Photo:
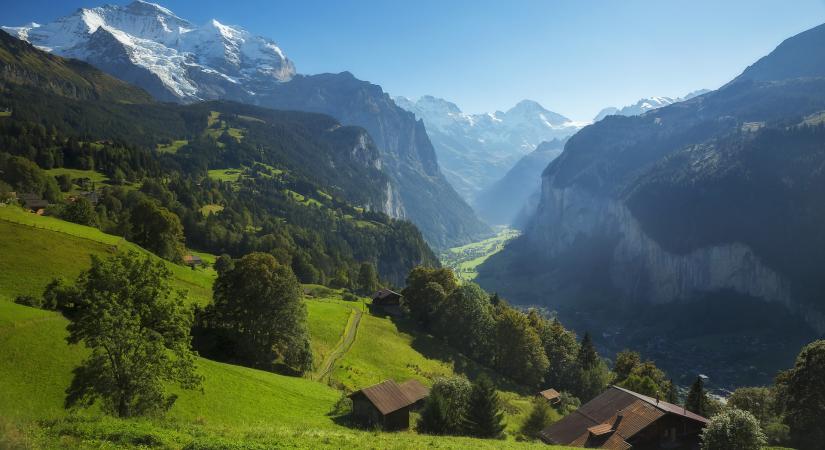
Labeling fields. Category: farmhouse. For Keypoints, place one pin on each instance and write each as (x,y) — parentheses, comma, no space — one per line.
(387,404)
(33,202)
(192,260)
(621,419)
(551,395)
(387,301)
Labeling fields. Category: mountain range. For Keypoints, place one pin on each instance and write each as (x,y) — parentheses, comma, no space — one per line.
(696,226)
(644,105)
(148,45)
(475,150)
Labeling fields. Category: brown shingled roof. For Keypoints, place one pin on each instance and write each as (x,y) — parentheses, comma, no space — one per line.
(386,396)
(414,390)
(600,429)
(618,409)
(549,394)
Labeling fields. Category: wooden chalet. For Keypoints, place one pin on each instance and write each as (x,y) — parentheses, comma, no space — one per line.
(386,301)
(620,419)
(192,260)
(33,202)
(387,404)
(551,395)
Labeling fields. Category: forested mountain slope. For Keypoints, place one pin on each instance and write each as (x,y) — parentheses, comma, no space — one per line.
(298,184)
(175,60)
(718,196)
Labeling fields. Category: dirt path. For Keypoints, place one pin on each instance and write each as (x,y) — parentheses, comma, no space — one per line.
(343,346)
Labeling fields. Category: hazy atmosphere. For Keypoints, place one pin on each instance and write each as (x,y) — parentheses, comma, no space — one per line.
(405,225)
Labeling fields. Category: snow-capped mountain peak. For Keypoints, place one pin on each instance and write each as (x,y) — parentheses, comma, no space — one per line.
(646,104)
(186,61)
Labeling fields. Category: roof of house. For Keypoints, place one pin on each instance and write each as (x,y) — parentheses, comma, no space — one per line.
(386,396)
(192,259)
(414,390)
(618,412)
(549,394)
(381,294)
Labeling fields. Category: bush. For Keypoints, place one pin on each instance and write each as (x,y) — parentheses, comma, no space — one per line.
(733,429)
(349,296)
(538,419)
(28,300)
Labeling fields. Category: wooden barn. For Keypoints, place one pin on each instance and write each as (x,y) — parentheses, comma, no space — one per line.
(387,404)
(551,396)
(192,260)
(386,301)
(620,419)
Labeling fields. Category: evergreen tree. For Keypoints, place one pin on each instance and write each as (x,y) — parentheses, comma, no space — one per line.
(538,419)
(587,357)
(434,417)
(367,279)
(484,417)
(697,400)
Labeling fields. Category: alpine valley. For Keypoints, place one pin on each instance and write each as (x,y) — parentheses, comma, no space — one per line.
(203,248)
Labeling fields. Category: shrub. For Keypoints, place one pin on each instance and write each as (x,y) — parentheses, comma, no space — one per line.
(733,429)
(28,300)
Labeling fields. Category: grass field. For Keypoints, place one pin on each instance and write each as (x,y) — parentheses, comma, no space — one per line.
(211,209)
(92,175)
(173,147)
(237,407)
(231,175)
(464,260)
(35,249)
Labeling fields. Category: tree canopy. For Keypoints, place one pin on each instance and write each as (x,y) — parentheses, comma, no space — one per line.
(137,330)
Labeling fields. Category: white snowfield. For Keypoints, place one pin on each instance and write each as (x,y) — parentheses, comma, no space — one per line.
(154,38)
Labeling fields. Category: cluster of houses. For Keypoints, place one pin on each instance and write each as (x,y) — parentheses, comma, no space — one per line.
(618,419)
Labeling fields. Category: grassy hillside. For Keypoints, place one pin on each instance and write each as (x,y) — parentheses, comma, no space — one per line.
(37,249)
(464,260)
(236,404)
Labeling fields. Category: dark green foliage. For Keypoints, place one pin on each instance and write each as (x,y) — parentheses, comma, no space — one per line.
(455,394)
(224,263)
(539,418)
(484,417)
(257,308)
(65,182)
(671,396)
(801,392)
(367,279)
(25,176)
(519,351)
(587,357)
(626,360)
(567,403)
(435,417)
(643,377)
(733,429)
(137,330)
(465,321)
(697,399)
(422,298)
(561,348)
(156,229)
(29,300)
(79,211)
(759,401)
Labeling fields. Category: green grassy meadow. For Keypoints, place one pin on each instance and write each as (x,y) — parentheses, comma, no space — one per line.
(172,147)
(237,407)
(464,260)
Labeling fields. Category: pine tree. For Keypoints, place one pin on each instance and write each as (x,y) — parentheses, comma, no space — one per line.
(697,400)
(434,418)
(538,419)
(587,357)
(484,417)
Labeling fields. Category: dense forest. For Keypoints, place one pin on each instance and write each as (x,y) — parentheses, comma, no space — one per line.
(218,177)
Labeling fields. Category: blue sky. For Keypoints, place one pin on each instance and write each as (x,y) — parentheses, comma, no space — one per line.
(573,56)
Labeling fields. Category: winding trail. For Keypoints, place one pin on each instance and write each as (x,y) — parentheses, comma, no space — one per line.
(343,346)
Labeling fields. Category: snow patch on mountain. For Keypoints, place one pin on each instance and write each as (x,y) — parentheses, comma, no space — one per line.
(475,150)
(191,62)
(644,105)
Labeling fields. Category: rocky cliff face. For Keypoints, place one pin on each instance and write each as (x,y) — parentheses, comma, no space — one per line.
(640,268)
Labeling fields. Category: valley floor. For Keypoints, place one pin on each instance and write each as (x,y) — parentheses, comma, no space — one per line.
(464,260)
